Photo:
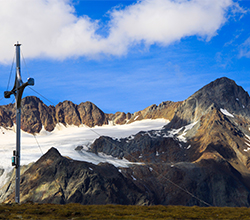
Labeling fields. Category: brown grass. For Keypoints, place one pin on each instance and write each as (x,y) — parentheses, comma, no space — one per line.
(77,211)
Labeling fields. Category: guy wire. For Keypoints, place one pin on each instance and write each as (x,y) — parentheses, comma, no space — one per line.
(11,71)
(24,63)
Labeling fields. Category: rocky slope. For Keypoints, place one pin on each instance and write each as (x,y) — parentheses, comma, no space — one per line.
(57,179)
(200,158)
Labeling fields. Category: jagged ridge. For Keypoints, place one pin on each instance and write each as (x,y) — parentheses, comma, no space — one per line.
(35,114)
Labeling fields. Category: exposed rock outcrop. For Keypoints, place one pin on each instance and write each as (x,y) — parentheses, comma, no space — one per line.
(56,179)
(36,115)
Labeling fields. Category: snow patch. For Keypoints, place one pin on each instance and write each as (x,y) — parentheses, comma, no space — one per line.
(131,137)
(4,178)
(247,149)
(247,137)
(225,112)
(67,138)
(133,177)
(136,117)
(157,133)
(43,132)
(181,137)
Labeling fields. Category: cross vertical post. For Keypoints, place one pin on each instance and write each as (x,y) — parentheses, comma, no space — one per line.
(18,122)
(18,91)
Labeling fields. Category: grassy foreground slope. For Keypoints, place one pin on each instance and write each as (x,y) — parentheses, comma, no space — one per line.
(77,211)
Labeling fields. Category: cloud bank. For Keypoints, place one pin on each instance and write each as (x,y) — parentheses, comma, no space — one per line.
(51,29)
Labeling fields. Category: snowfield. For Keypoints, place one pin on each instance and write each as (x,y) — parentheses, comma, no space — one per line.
(66,139)
(225,112)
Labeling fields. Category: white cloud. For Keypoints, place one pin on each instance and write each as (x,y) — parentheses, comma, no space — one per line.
(49,28)
(245,49)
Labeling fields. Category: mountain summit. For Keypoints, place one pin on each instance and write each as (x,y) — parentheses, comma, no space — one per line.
(223,93)
(226,94)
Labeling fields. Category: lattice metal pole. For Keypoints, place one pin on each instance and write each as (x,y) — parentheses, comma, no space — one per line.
(18,91)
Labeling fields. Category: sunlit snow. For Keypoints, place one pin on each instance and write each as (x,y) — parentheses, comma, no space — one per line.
(133,177)
(247,149)
(181,137)
(225,112)
(66,139)
(247,138)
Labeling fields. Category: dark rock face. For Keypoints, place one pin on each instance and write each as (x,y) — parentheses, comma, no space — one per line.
(56,179)
(222,93)
(31,120)
(66,113)
(5,116)
(91,115)
(35,114)
(143,147)
(211,182)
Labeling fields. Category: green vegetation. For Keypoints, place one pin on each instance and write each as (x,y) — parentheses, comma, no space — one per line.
(77,211)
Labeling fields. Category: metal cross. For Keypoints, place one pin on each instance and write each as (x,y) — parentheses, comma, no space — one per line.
(17,90)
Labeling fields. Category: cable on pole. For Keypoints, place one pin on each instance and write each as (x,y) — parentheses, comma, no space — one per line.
(41,95)
(25,63)
(11,72)
(38,144)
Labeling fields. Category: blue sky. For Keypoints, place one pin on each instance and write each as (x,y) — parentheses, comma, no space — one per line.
(124,55)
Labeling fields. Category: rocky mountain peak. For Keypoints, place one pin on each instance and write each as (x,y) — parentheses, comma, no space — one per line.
(31,100)
(224,93)
(52,153)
